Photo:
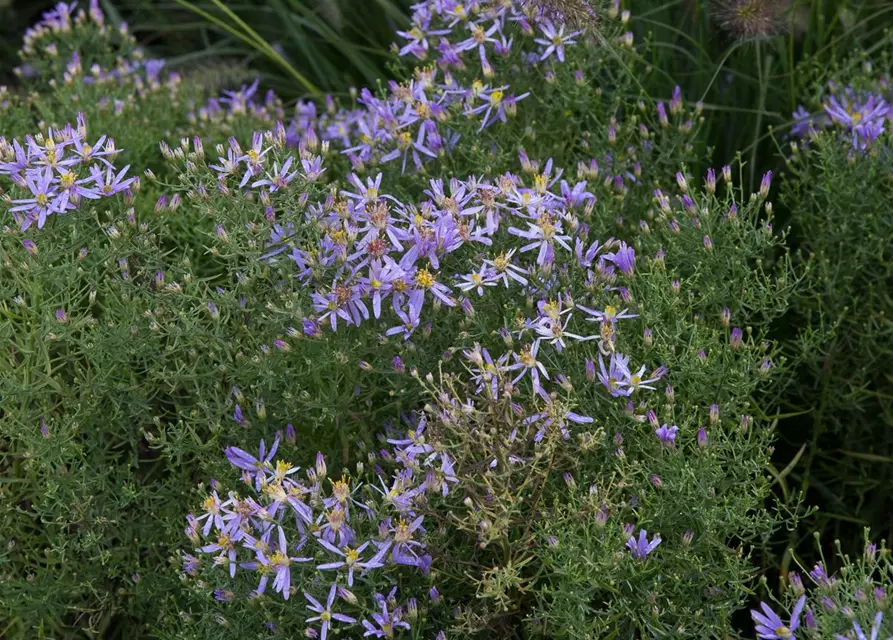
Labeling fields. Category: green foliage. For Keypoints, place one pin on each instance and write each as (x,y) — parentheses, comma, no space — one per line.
(478,415)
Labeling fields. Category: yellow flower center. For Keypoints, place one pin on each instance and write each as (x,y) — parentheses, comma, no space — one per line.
(526,358)
(341,489)
(68,179)
(253,156)
(351,556)
(424,279)
(402,532)
(496,97)
(282,469)
(41,199)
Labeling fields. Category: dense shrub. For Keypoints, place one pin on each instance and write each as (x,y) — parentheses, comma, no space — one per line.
(507,364)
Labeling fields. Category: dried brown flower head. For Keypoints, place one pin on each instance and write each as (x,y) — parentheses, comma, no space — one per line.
(752,19)
(577,14)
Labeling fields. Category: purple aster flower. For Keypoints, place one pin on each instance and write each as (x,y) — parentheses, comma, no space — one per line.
(351,560)
(770,627)
(279,178)
(624,258)
(610,314)
(666,435)
(43,203)
(555,40)
(477,280)
(110,183)
(253,158)
(325,615)
(504,269)
(860,635)
(406,550)
(543,236)
(865,120)
(616,376)
(384,623)
(256,467)
(641,547)
(410,322)
(820,576)
(526,361)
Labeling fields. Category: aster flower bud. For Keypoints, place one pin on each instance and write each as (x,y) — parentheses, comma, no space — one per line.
(44,429)
(725,316)
(569,481)
(670,394)
(676,286)
(434,595)
(708,243)
(290,436)
(727,174)
(320,466)
(662,115)
(652,418)
(657,482)
(710,181)
(796,583)
(260,409)
(870,552)
(30,246)
(648,336)
(735,338)
(681,181)
(687,537)
(765,184)
(714,414)
(61,316)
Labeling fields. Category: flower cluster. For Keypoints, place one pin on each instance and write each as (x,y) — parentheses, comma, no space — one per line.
(412,124)
(59,171)
(292,527)
(863,117)
(379,253)
(850,607)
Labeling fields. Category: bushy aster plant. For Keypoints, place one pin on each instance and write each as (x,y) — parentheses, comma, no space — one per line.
(837,189)
(849,604)
(472,354)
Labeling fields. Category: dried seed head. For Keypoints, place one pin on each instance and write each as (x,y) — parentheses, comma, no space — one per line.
(751,19)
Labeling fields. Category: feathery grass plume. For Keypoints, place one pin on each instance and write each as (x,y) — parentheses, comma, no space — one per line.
(751,19)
